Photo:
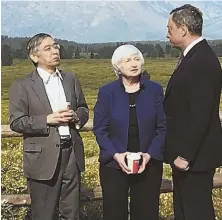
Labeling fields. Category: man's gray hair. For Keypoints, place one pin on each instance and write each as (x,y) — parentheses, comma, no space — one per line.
(190,16)
(124,51)
(34,42)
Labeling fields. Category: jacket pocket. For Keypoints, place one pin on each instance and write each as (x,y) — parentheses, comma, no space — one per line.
(33,148)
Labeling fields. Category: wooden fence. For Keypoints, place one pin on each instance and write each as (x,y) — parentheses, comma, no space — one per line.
(86,194)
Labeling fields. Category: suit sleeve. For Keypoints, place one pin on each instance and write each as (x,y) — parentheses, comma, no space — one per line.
(82,107)
(158,143)
(20,120)
(201,98)
(101,126)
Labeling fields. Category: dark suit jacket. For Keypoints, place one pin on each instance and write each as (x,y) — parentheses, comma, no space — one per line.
(111,120)
(29,106)
(192,108)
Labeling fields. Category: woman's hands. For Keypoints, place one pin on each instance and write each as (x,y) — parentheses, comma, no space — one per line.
(145,158)
(120,159)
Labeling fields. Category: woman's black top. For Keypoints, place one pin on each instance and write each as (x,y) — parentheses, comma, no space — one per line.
(133,132)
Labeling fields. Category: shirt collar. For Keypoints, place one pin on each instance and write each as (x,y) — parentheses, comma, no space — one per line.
(192,45)
(46,75)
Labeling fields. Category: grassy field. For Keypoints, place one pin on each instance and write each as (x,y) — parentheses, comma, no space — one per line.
(92,74)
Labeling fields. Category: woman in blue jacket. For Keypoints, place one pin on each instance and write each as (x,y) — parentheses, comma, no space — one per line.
(129,117)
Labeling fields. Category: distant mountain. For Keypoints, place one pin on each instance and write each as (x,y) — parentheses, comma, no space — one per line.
(102,21)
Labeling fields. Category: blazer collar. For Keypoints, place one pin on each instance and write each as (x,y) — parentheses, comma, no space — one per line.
(36,74)
(190,53)
(39,88)
(46,75)
(142,82)
(67,86)
(200,44)
(191,45)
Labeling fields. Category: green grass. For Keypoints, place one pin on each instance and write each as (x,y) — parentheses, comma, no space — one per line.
(92,75)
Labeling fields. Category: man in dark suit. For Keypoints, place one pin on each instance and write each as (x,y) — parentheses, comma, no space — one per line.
(193,138)
(53,149)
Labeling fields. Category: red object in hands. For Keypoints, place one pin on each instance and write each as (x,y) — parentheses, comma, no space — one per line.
(133,162)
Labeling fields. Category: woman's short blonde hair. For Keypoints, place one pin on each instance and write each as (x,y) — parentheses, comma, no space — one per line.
(124,51)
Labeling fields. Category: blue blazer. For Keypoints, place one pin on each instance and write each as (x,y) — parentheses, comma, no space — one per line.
(111,120)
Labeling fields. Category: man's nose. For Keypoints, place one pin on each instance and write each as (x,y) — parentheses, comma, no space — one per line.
(55,51)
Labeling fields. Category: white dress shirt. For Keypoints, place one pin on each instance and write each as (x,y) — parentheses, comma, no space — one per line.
(190,46)
(56,95)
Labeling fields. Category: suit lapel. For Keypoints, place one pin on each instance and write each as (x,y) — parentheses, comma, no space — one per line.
(40,91)
(66,87)
(168,88)
(183,62)
(175,72)
(169,85)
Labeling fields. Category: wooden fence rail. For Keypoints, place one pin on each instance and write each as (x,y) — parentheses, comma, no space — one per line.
(96,193)
(86,194)
(8,133)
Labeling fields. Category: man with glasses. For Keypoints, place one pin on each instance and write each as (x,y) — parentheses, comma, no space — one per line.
(53,149)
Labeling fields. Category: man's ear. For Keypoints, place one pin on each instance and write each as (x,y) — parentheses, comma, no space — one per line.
(184,30)
(34,58)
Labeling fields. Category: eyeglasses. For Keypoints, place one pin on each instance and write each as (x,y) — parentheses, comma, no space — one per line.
(48,48)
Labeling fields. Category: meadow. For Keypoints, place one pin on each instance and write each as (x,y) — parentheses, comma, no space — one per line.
(92,75)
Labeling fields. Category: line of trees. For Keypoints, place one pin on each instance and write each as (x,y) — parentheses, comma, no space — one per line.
(70,50)
(6,56)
